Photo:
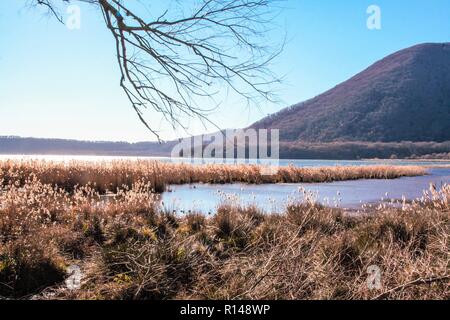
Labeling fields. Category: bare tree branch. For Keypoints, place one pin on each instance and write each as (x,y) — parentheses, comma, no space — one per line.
(174,65)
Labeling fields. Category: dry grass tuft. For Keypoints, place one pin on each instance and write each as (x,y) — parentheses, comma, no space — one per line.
(129,248)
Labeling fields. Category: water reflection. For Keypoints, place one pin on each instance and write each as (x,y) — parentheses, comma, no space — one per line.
(274,197)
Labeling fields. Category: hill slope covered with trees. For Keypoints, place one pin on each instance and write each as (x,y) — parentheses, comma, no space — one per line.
(403,97)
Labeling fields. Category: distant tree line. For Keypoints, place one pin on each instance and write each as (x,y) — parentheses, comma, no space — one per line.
(365,150)
(294,150)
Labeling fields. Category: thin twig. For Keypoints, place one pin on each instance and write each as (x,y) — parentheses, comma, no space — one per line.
(412,283)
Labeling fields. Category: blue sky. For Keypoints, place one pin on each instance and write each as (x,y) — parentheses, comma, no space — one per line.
(56,82)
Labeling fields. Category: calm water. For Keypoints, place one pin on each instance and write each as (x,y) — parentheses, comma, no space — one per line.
(274,197)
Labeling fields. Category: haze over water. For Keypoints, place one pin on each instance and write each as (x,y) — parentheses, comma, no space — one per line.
(282,162)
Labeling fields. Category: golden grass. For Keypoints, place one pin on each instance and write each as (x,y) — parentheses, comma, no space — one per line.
(129,248)
(110,176)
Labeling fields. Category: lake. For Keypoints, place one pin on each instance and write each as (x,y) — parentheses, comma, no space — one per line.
(274,197)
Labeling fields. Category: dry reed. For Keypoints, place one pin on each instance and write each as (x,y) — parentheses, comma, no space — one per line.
(129,248)
(110,176)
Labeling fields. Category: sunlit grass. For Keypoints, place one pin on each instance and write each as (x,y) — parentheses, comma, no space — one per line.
(128,247)
(114,175)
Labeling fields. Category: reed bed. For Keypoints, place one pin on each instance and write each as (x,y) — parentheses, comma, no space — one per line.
(131,248)
(114,175)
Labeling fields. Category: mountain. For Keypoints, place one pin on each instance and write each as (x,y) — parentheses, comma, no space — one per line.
(403,97)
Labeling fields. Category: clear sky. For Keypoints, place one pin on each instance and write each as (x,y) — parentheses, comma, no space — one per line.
(61,83)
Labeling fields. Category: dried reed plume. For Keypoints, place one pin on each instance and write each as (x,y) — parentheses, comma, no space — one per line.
(110,176)
(130,248)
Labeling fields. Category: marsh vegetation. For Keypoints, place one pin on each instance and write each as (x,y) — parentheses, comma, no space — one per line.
(132,248)
(110,176)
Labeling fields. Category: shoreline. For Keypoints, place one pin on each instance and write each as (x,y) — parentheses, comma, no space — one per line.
(115,175)
(156,156)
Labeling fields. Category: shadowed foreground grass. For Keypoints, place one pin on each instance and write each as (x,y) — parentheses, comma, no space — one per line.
(110,176)
(129,248)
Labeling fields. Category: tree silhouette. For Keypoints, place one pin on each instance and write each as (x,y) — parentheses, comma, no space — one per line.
(187,55)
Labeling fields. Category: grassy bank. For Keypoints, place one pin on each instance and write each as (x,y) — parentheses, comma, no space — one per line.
(129,248)
(104,176)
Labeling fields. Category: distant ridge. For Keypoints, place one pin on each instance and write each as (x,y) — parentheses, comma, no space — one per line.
(403,97)
(288,150)
(39,146)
